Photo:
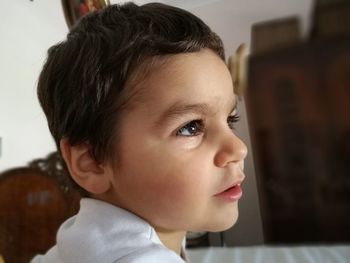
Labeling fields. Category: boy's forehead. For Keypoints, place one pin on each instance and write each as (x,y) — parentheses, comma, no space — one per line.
(179,77)
(137,85)
(181,82)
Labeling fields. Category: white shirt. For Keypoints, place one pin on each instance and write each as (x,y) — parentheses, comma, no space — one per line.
(104,233)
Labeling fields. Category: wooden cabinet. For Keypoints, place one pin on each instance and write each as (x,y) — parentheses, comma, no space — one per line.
(298,106)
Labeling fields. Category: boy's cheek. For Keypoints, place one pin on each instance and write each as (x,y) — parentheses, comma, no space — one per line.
(170,174)
(174,202)
(182,186)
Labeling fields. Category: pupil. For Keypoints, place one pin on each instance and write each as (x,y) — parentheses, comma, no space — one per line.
(193,127)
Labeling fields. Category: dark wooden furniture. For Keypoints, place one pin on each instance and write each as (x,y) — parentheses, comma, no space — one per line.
(34,201)
(298,104)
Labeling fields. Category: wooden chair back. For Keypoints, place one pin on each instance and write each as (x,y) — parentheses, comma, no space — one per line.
(34,202)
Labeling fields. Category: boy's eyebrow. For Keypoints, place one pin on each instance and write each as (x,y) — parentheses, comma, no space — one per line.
(180,108)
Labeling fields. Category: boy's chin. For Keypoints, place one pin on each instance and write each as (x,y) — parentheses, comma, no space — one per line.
(221,224)
(225,225)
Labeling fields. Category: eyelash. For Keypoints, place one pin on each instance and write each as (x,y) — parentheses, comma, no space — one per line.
(232,119)
(197,127)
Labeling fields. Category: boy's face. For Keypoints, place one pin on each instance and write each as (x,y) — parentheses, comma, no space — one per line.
(177,151)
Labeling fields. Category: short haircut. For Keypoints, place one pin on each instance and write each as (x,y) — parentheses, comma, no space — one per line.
(82,86)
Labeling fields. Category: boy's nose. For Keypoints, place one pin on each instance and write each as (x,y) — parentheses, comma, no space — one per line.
(232,150)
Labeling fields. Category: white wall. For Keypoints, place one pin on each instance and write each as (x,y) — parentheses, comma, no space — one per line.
(27,29)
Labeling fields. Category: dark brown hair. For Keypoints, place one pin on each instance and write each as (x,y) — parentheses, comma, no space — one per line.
(82,85)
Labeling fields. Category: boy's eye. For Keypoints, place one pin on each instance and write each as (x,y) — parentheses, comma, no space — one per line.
(231,120)
(192,128)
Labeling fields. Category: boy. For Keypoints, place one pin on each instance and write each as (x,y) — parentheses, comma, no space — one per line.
(141,105)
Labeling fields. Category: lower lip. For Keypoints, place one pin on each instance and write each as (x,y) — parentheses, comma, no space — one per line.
(231,195)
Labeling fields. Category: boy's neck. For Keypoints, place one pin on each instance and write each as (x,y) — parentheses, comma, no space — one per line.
(171,239)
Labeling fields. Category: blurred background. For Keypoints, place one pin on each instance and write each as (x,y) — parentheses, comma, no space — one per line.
(29,28)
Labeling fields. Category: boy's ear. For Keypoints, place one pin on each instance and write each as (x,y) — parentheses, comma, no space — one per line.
(84,169)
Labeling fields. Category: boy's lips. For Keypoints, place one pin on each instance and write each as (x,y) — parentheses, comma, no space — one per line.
(231,193)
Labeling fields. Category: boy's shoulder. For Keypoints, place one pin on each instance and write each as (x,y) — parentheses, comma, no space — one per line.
(104,233)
